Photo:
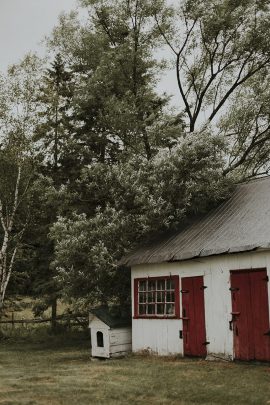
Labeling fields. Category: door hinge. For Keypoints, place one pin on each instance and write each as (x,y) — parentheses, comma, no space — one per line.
(267,333)
(234,289)
(180,334)
(203,287)
(184,291)
(206,343)
(266,279)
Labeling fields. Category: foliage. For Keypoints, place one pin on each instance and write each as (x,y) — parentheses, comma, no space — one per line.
(17,118)
(246,126)
(15,181)
(127,203)
(112,164)
(223,44)
(119,111)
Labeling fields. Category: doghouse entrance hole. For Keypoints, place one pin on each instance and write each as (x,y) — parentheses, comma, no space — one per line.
(100,341)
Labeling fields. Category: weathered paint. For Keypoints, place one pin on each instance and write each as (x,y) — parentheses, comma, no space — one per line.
(193,316)
(117,341)
(161,336)
(250,315)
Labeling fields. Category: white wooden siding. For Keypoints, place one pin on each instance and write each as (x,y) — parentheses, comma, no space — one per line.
(120,341)
(96,325)
(162,335)
(116,341)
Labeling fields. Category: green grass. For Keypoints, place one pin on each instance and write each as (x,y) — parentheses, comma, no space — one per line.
(58,370)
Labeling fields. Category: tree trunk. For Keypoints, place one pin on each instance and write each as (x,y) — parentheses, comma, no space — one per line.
(54,314)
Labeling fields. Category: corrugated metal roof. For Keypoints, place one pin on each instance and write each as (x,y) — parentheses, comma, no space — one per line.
(240,224)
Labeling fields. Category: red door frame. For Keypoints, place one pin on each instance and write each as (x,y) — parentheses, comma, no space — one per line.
(250,314)
(193,316)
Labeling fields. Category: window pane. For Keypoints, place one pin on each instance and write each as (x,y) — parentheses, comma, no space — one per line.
(151,309)
(142,285)
(160,309)
(170,297)
(142,297)
(151,285)
(170,284)
(160,296)
(169,309)
(161,284)
(151,297)
(142,309)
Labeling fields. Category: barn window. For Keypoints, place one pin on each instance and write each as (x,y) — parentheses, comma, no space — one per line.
(156,297)
(100,342)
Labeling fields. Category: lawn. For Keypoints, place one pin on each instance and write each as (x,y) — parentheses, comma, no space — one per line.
(60,372)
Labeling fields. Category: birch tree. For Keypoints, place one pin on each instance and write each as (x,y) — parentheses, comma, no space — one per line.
(18,109)
(14,198)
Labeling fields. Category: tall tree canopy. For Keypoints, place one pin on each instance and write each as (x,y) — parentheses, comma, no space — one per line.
(113,162)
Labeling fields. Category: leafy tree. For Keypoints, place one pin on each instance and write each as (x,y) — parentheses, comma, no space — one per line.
(119,112)
(246,126)
(218,47)
(18,91)
(129,202)
(15,181)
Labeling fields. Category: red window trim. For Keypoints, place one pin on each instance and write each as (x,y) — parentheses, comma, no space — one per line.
(176,292)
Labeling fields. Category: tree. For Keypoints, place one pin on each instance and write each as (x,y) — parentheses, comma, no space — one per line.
(246,126)
(116,106)
(17,121)
(55,128)
(130,202)
(223,45)
(15,181)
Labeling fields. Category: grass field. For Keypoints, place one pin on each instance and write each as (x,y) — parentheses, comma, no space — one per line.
(56,371)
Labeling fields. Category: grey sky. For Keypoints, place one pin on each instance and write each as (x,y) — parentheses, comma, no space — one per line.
(24,23)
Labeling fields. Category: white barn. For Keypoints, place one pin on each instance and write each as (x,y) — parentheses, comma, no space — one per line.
(204,291)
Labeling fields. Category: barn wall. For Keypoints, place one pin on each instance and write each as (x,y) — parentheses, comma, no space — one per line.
(162,335)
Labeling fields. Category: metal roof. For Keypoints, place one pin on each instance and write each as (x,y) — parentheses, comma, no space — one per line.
(240,224)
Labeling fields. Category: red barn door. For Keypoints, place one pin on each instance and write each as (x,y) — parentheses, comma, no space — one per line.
(194,334)
(250,315)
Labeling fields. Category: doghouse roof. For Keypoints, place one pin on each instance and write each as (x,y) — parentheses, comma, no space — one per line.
(240,224)
(110,318)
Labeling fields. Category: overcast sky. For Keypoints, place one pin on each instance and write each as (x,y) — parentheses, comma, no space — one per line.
(24,23)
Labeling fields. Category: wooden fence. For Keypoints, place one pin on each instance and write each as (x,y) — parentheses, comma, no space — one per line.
(77,319)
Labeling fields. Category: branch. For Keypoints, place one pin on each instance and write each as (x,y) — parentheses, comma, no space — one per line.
(256,141)
(162,33)
(236,84)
